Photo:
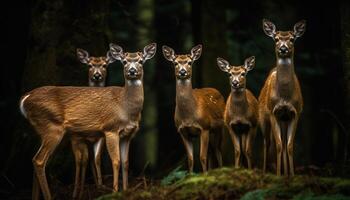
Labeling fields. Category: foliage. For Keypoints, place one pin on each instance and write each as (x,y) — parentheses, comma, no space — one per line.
(174,176)
(228,183)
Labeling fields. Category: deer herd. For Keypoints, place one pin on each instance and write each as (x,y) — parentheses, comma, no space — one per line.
(98,116)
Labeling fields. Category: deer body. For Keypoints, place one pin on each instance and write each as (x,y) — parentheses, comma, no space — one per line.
(68,107)
(198,112)
(88,111)
(241,112)
(194,107)
(280,100)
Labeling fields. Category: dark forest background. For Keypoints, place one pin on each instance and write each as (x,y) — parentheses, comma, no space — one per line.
(39,49)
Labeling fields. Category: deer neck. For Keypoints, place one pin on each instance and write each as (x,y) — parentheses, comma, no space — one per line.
(133,96)
(98,84)
(239,101)
(285,76)
(185,101)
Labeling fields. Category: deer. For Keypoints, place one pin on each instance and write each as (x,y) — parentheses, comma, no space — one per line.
(241,111)
(89,112)
(280,99)
(198,112)
(97,78)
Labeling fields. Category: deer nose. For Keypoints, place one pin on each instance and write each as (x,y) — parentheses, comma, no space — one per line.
(235,83)
(183,72)
(132,71)
(97,76)
(283,49)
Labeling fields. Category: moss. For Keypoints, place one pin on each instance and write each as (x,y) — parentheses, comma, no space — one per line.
(228,183)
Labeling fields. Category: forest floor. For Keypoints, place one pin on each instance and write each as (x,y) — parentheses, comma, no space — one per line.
(222,183)
(230,183)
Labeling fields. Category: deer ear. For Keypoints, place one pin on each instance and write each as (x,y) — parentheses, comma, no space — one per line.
(196,52)
(83,56)
(149,51)
(299,28)
(109,57)
(223,65)
(116,51)
(168,53)
(269,28)
(249,63)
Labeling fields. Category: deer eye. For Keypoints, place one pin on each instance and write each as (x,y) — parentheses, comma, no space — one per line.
(124,62)
(189,62)
(277,39)
(243,74)
(140,62)
(291,39)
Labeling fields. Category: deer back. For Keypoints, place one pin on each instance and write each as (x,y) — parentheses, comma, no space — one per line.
(78,109)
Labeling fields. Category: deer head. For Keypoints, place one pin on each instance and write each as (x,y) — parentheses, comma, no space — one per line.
(182,63)
(97,65)
(133,62)
(237,73)
(284,40)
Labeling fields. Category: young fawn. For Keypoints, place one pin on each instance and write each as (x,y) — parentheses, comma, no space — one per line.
(280,100)
(241,113)
(89,112)
(198,112)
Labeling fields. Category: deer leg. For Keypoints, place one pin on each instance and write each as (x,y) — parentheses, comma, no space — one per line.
(80,151)
(78,158)
(189,150)
(266,132)
(203,155)
(112,143)
(237,147)
(36,189)
(249,146)
(85,158)
(124,150)
(290,142)
(98,149)
(49,142)
(276,130)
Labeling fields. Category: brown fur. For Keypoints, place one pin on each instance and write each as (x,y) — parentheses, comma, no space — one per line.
(198,112)
(280,100)
(241,112)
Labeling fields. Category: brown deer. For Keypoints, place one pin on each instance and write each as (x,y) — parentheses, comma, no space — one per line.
(97,67)
(97,78)
(89,112)
(280,100)
(241,113)
(198,112)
